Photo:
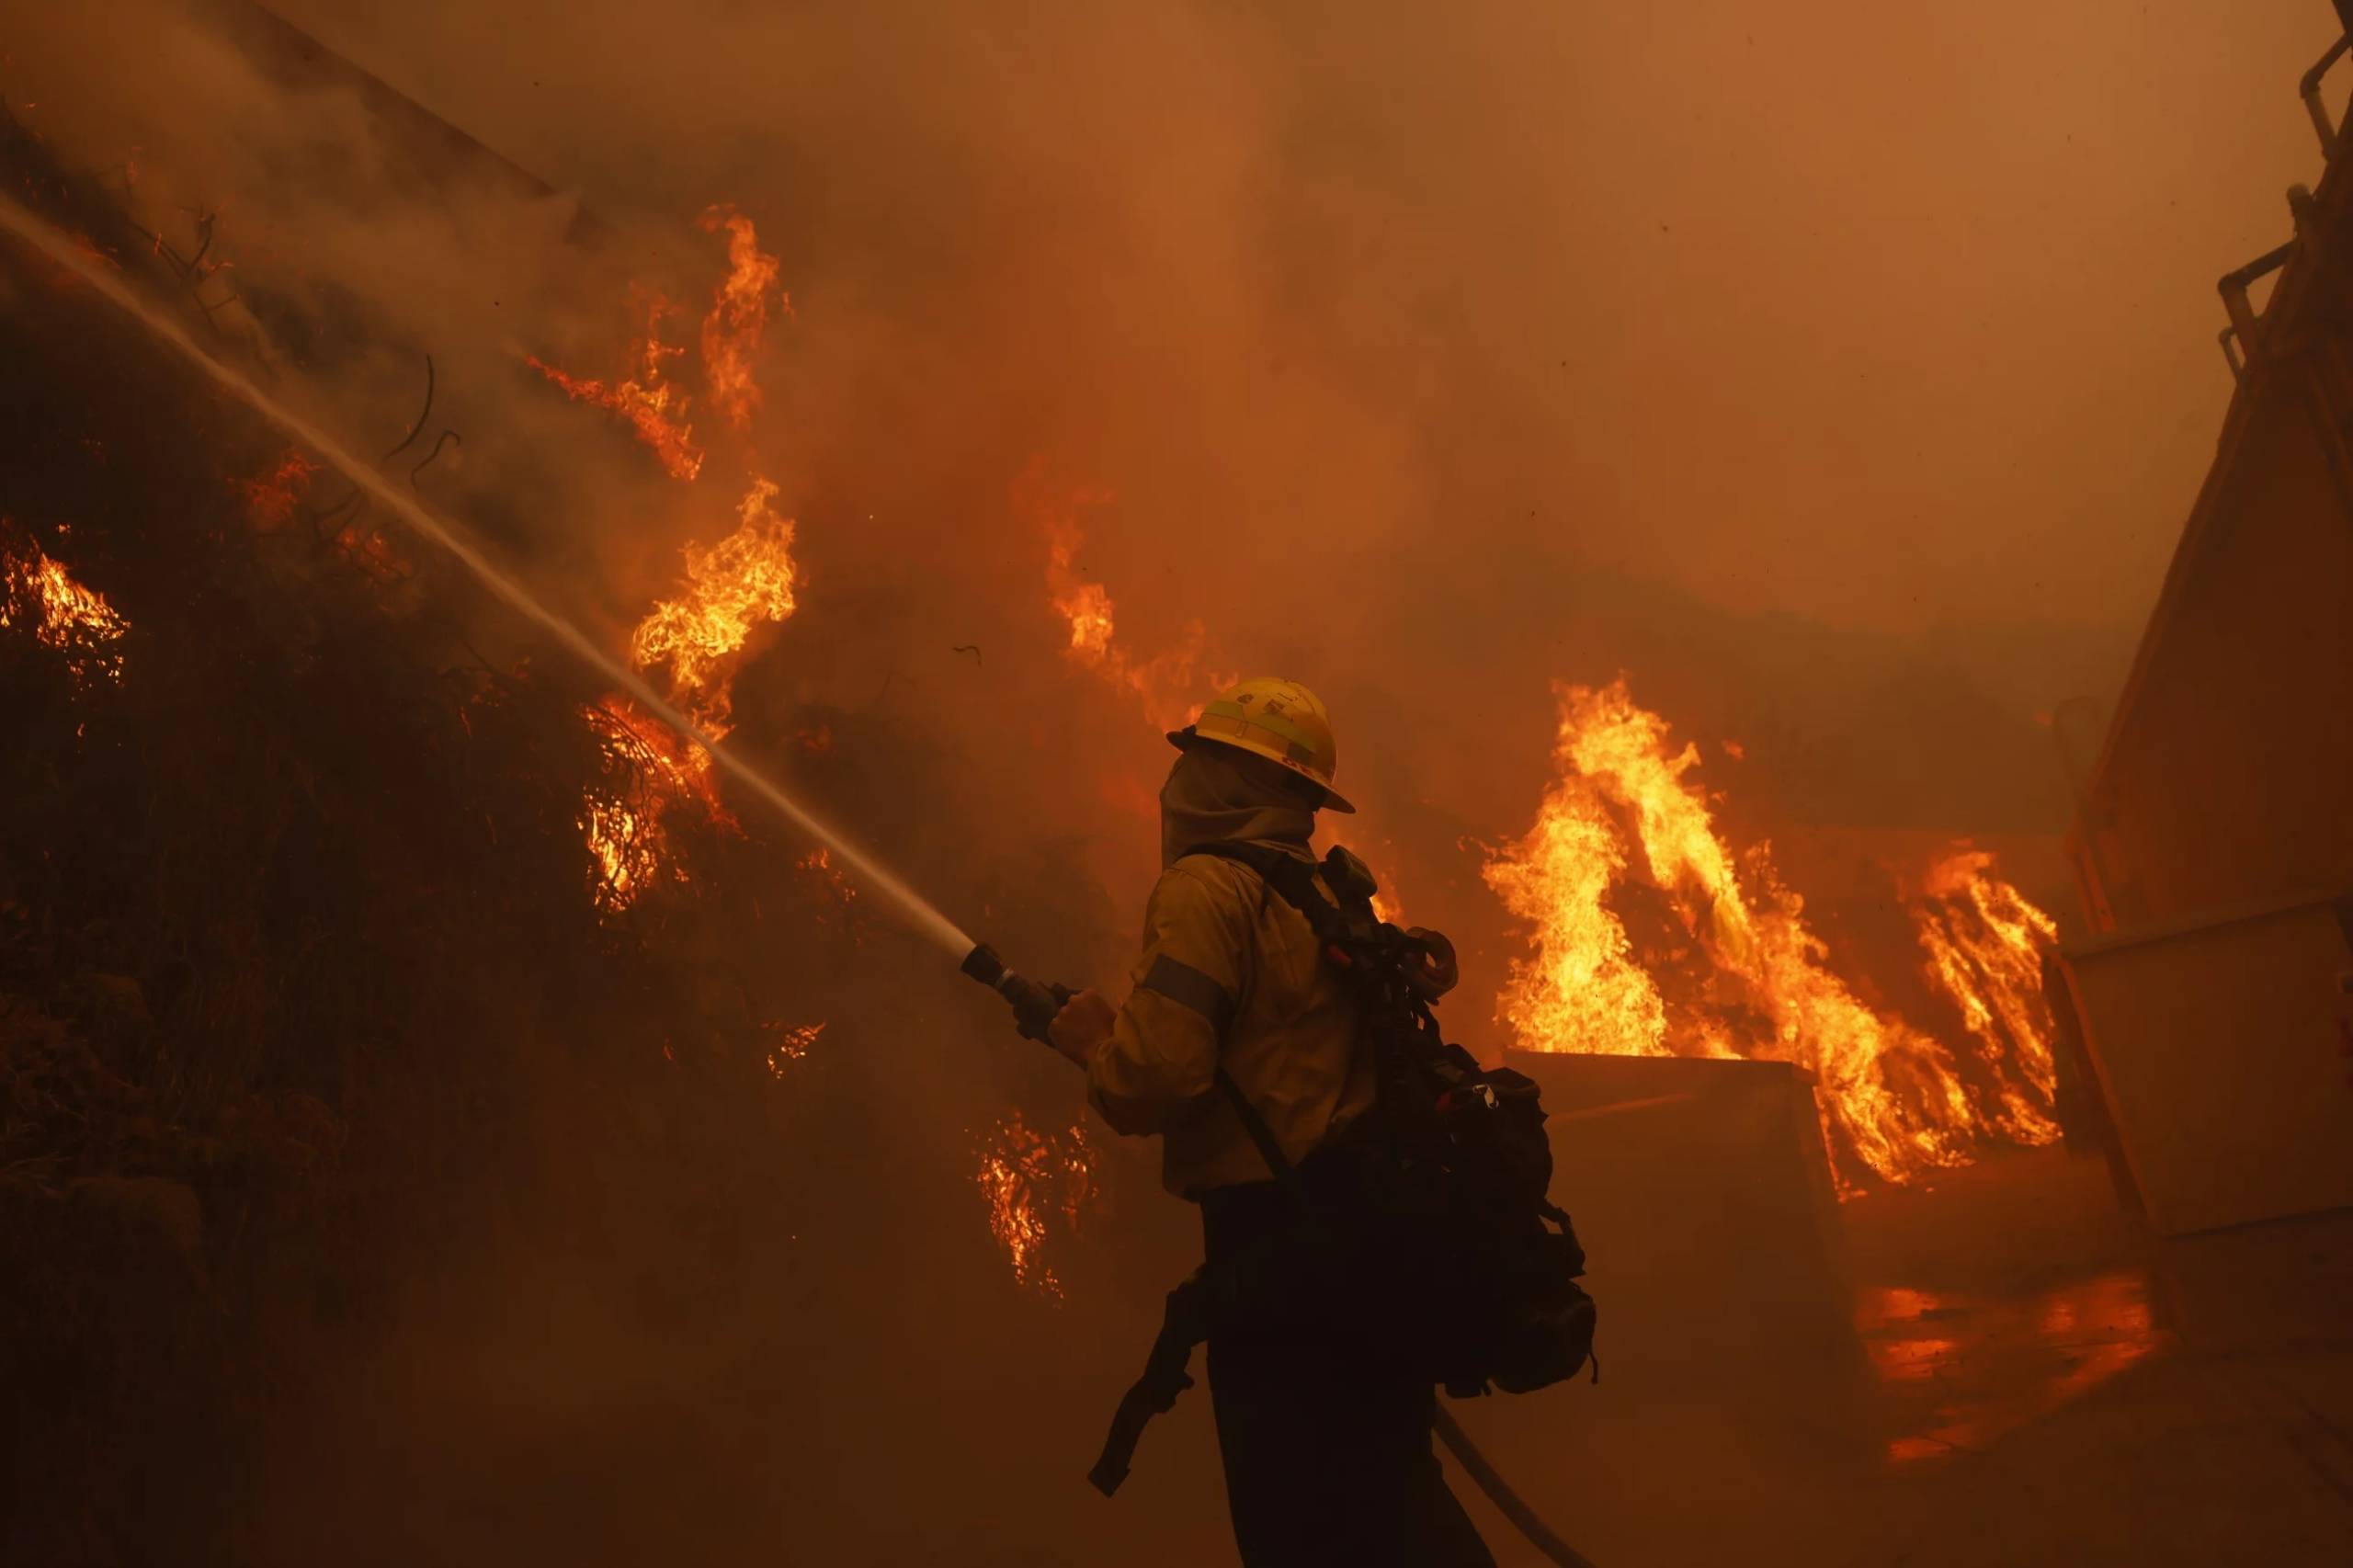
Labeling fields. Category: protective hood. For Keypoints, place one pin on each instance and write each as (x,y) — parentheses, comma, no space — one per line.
(1209,800)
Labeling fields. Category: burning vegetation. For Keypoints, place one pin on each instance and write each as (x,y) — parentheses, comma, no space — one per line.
(40,594)
(1652,938)
(642,395)
(1026,1176)
(742,582)
(698,636)
(309,970)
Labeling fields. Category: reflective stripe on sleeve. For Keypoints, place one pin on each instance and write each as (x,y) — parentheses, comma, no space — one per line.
(1188,987)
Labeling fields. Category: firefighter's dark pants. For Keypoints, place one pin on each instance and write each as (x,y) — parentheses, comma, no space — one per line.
(1326,1439)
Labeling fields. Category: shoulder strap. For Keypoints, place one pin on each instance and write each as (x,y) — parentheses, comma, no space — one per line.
(1284,874)
(1260,1134)
(1291,877)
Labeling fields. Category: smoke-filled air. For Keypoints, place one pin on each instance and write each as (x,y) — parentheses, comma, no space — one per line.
(560,564)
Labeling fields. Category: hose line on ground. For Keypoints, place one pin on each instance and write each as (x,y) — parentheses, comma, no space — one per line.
(1499,1492)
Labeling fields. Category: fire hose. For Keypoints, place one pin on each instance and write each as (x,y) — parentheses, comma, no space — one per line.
(1034,1005)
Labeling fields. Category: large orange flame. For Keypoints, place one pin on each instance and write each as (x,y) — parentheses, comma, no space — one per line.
(739,315)
(642,396)
(1026,1175)
(1741,972)
(745,579)
(38,591)
(732,587)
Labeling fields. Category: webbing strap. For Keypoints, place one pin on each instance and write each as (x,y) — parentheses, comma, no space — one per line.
(1269,1149)
(1295,880)
(1290,876)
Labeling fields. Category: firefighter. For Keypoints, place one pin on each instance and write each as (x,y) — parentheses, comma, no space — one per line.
(1325,1437)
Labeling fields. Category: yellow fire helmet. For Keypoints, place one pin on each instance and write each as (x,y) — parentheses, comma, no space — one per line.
(1279,720)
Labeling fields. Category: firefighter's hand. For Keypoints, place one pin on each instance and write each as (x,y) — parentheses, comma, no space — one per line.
(1084,1024)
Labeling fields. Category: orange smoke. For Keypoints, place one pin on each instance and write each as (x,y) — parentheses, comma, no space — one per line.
(1738,971)
(36,591)
(1025,1176)
(1166,685)
(745,579)
(642,396)
(739,314)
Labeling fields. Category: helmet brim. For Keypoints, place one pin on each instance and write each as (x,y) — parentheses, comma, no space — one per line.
(1333,800)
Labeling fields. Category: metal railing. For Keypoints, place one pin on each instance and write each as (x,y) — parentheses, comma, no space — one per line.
(2240,341)
(2309,89)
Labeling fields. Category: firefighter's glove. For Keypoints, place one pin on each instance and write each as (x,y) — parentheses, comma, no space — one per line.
(1083,1023)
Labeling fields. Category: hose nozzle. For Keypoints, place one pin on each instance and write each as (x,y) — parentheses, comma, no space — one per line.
(1034,1006)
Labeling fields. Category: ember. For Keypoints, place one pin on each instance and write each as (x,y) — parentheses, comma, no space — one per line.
(840,891)
(1745,975)
(1025,1175)
(792,1044)
(271,496)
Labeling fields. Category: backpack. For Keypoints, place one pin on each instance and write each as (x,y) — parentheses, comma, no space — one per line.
(1482,1265)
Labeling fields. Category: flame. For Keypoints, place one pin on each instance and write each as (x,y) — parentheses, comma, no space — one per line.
(1984,943)
(1025,1174)
(1744,975)
(840,890)
(624,832)
(642,397)
(730,588)
(1165,683)
(271,496)
(369,550)
(626,845)
(733,586)
(1386,905)
(37,590)
(1582,990)
(739,314)
(792,1044)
